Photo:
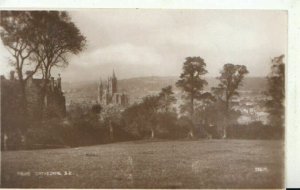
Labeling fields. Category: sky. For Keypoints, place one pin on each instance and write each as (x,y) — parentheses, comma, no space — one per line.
(155,42)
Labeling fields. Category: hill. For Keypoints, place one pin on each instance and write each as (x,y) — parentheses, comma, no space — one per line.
(142,86)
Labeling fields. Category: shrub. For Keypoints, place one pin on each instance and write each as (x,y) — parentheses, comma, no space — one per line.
(255,130)
(46,134)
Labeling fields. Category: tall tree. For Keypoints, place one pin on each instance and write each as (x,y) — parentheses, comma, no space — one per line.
(230,79)
(276,90)
(192,83)
(57,37)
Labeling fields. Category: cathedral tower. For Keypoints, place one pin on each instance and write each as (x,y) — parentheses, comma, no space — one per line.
(108,92)
(100,91)
(114,82)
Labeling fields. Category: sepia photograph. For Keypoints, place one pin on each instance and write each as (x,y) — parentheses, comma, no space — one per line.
(143,98)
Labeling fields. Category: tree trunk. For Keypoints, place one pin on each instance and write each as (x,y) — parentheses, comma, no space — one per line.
(226,119)
(111,131)
(224,130)
(191,134)
(192,106)
(5,138)
(152,133)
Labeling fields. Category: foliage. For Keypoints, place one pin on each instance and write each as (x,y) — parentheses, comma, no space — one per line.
(81,127)
(148,111)
(46,134)
(96,108)
(133,120)
(230,80)
(185,125)
(56,37)
(191,81)
(255,130)
(38,41)
(18,37)
(151,115)
(111,118)
(167,98)
(276,92)
(192,84)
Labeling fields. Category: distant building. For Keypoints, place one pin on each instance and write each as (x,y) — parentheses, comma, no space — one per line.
(108,93)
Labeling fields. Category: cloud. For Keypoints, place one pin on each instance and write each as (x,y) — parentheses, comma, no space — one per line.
(121,53)
(126,59)
(155,42)
(4,57)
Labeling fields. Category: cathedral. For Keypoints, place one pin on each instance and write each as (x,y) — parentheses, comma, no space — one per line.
(108,93)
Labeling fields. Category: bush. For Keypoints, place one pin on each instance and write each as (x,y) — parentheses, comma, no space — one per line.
(255,130)
(46,134)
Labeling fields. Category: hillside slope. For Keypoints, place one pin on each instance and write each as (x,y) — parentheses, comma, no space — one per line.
(142,86)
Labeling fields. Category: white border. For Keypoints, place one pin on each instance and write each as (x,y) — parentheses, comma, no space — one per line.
(293,70)
(158,4)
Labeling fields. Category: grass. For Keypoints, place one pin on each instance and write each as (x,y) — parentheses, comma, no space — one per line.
(140,164)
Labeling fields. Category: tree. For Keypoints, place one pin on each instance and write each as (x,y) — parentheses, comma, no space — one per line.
(203,110)
(151,114)
(192,84)
(143,117)
(111,116)
(276,92)
(150,106)
(185,124)
(230,79)
(167,98)
(167,125)
(56,38)
(133,119)
(17,36)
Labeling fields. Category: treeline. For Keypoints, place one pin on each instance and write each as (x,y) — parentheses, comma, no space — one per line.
(206,114)
(201,114)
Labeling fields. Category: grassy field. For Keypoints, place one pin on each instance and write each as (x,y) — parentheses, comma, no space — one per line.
(142,164)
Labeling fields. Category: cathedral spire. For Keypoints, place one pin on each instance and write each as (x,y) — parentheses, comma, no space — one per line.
(114,82)
(100,91)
